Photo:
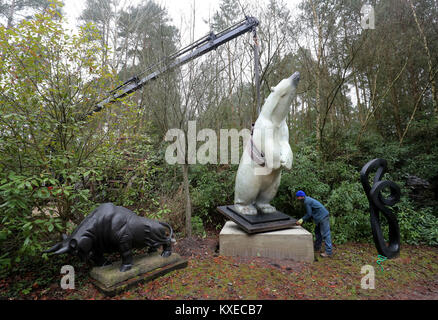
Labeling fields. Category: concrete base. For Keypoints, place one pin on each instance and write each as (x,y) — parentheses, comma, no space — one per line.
(111,281)
(295,243)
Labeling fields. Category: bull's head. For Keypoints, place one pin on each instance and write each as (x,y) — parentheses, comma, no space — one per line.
(67,245)
(60,247)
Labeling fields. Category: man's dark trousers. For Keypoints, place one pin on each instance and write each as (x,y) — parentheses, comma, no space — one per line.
(322,232)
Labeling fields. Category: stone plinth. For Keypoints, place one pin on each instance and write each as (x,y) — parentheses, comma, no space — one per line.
(295,243)
(260,222)
(111,281)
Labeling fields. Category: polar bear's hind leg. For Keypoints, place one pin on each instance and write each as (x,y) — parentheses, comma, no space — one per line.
(248,210)
(246,189)
(265,207)
(266,196)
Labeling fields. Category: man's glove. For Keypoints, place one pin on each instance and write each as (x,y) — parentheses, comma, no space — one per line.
(299,222)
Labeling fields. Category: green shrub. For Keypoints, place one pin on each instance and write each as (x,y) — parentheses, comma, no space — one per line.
(211,186)
(22,227)
(417,226)
(346,199)
(348,207)
(198,227)
(47,142)
(305,175)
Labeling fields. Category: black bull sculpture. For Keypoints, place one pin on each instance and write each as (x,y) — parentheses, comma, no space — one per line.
(378,203)
(111,228)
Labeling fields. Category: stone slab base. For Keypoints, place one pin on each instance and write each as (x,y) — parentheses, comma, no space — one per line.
(259,222)
(295,243)
(110,281)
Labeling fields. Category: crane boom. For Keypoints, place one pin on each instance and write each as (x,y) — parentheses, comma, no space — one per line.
(192,51)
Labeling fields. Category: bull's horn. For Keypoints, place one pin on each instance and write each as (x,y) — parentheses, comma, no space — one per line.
(54,248)
(62,250)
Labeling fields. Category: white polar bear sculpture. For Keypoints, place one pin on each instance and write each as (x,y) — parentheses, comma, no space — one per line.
(266,153)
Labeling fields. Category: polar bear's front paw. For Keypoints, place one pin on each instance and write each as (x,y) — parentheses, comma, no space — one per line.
(266,207)
(249,210)
(286,161)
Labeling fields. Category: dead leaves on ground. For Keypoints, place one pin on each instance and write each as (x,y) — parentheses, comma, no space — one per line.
(211,276)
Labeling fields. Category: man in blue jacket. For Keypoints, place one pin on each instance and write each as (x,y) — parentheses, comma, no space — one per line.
(320,215)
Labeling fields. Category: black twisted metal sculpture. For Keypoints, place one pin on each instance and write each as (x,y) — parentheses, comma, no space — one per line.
(378,204)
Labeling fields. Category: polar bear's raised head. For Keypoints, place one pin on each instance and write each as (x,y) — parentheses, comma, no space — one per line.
(277,105)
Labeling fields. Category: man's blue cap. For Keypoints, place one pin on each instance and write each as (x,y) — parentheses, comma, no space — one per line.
(300,193)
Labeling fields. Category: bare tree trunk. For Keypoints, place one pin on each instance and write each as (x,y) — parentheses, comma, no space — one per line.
(230,86)
(373,108)
(396,113)
(415,110)
(185,168)
(429,60)
(318,73)
(359,104)
(11,15)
